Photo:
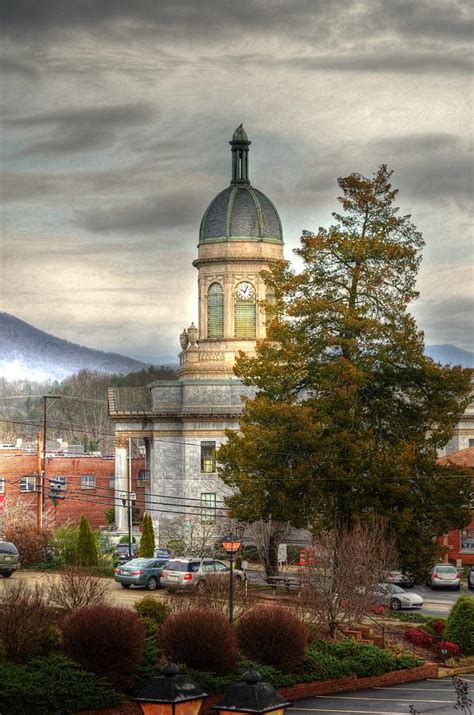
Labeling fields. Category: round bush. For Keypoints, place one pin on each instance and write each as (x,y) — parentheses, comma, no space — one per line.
(201,638)
(274,636)
(460,624)
(105,640)
(154,608)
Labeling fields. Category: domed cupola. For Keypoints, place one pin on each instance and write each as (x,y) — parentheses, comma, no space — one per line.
(240,212)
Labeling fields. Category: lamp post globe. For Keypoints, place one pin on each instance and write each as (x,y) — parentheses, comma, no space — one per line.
(171,693)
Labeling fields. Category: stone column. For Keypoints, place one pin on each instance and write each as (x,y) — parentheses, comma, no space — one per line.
(121,479)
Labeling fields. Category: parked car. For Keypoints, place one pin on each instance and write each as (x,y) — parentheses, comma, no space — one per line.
(122,555)
(445,576)
(9,558)
(140,572)
(470,579)
(188,574)
(388,594)
(399,579)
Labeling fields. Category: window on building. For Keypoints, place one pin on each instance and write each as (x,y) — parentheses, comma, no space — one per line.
(208,457)
(245,321)
(467,541)
(27,484)
(112,480)
(208,508)
(215,311)
(2,486)
(87,481)
(471,442)
(144,475)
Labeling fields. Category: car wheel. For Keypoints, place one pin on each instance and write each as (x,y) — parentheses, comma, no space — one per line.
(151,584)
(7,574)
(457,588)
(125,585)
(395,604)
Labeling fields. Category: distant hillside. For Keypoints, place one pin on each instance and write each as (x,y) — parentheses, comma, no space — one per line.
(31,354)
(450,354)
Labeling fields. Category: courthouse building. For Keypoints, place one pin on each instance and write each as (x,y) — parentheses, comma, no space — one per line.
(182,422)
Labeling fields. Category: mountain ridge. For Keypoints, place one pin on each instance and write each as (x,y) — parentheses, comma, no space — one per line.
(29,353)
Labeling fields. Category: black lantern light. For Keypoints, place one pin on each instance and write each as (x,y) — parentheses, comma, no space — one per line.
(231,545)
(171,694)
(251,696)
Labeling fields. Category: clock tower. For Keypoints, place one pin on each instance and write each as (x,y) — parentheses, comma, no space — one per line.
(240,236)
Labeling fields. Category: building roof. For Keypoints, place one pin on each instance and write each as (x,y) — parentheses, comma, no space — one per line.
(129,400)
(240,212)
(463,458)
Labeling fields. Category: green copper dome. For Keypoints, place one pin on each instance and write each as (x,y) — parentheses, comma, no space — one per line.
(240,212)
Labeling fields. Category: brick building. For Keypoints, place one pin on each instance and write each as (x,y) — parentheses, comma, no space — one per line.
(460,542)
(88,480)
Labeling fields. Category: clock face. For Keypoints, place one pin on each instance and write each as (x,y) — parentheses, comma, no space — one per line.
(245,291)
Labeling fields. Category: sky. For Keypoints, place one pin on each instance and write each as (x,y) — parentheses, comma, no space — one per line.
(116,121)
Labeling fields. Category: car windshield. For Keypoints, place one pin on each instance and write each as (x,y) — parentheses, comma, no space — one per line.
(445,569)
(138,562)
(396,589)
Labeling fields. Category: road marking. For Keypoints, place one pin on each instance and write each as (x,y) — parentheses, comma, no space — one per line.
(338,710)
(389,700)
(394,688)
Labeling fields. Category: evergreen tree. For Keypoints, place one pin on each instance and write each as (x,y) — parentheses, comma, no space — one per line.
(86,548)
(147,541)
(349,411)
(460,624)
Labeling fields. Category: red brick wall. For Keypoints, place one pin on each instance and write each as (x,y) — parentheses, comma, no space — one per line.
(92,503)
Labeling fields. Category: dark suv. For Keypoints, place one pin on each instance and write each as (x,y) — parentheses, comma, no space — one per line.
(121,553)
(9,558)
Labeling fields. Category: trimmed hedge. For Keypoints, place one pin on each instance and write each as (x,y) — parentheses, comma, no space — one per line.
(52,685)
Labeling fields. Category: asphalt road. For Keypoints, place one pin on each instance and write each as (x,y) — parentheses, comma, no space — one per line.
(436,697)
(437,603)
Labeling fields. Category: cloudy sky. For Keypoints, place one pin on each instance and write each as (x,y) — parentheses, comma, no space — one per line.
(117,115)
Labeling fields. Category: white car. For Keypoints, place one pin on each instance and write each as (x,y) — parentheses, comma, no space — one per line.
(396,598)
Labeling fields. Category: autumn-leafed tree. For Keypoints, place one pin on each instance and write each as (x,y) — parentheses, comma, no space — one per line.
(350,411)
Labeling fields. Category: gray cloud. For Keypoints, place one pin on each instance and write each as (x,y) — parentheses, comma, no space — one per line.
(162,211)
(80,129)
(19,69)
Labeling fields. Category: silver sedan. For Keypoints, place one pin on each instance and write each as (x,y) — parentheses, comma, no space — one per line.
(397,598)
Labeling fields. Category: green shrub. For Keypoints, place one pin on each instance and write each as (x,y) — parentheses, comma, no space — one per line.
(322,666)
(63,544)
(52,685)
(151,607)
(200,638)
(460,624)
(124,539)
(350,656)
(408,661)
(273,635)
(86,547)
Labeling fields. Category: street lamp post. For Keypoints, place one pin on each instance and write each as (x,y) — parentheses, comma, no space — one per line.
(231,545)
(128,500)
(171,693)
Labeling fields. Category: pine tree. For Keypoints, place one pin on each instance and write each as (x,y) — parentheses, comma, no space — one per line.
(349,411)
(147,541)
(86,548)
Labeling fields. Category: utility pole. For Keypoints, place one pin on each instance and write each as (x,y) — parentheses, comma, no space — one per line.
(42,471)
(129,496)
(39,511)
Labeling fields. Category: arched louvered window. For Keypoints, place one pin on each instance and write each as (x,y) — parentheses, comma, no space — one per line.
(245,318)
(215,311)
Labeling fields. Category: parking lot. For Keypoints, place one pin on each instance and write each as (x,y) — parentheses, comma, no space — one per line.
(426,696)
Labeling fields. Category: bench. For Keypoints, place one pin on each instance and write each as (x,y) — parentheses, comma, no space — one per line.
(291,583)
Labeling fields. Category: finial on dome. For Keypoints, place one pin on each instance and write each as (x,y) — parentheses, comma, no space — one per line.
(240,134)
(240,156)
